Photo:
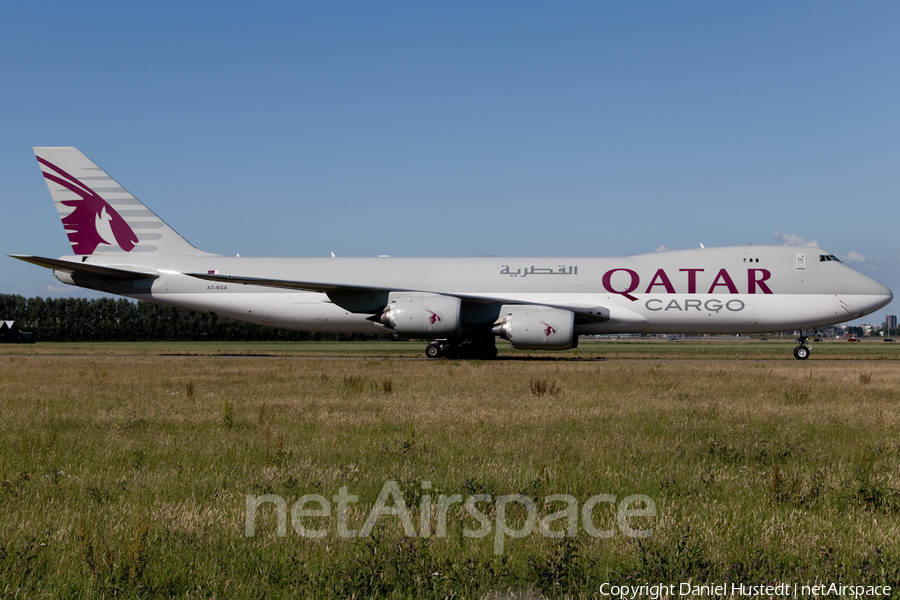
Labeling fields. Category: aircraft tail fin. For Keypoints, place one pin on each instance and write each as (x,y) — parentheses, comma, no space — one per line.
(99,215)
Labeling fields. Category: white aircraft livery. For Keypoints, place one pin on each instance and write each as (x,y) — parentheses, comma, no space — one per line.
(462,304)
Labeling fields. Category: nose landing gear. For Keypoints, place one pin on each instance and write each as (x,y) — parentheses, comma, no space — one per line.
(801,352)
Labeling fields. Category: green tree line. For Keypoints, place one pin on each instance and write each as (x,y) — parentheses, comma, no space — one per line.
(112,320)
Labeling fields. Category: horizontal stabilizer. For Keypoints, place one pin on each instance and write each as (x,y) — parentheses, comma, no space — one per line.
(85,269)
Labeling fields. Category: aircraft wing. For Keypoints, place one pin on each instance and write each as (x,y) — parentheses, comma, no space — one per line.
(85,269)
(300,286)
(583,312)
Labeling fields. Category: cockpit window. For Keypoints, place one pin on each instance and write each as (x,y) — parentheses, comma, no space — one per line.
(828,257)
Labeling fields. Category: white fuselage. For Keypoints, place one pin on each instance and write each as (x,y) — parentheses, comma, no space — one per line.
(715,290)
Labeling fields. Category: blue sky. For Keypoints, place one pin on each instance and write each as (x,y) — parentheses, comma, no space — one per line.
(507,128)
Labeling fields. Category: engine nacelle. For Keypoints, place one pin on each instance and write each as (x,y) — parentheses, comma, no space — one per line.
(537,327)
(64,277)
(427,315)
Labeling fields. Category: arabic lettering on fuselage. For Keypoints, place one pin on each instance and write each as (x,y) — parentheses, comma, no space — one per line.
(532,270)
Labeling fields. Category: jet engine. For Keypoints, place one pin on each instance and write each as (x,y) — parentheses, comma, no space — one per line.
(64,276)
(426,315)
(537,327)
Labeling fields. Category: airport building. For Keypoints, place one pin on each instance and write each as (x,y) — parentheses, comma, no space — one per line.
(10,334)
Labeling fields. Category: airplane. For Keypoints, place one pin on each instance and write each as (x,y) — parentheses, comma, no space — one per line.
(462,304)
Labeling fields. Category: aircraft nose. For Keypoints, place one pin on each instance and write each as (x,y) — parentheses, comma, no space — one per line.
(876,288)
(867,295)
(878,295)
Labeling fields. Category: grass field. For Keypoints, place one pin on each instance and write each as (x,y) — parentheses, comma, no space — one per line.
(128,476)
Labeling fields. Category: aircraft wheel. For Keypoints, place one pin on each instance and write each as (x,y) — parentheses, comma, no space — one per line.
(801,352)
(433,350)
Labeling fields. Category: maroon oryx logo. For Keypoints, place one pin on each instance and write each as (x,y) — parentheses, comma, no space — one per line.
(548,328)
(434,318)
(94,221)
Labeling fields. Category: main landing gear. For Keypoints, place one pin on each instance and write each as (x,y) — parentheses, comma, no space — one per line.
(801,352)
(434,350)
(468,349)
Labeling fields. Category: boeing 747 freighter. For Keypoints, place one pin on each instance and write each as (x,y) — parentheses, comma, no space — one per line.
(461,304)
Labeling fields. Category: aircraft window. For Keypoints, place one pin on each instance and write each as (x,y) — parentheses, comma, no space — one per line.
(828,257)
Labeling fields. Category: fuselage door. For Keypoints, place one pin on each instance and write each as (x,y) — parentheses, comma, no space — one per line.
(801,260)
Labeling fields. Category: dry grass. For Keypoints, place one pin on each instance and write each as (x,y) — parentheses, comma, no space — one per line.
(127,476)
